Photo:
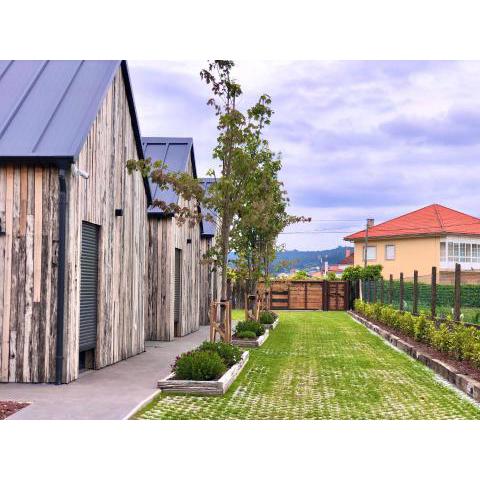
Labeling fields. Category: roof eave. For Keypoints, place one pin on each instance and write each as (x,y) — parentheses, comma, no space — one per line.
(410,235)
(60,161)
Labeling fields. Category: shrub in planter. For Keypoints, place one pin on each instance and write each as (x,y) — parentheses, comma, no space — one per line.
(230,354)
(199,365)
(250,326)
(267,317)
(246,334)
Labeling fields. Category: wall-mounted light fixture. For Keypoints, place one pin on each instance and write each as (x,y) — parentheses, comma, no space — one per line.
(2,229)
(119,212)
(79,173)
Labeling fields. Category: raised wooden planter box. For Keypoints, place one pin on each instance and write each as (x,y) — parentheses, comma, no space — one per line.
(271,326)
(204,387)
(251,342)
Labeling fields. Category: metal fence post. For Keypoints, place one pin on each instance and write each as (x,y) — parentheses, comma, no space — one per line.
(458,298)
(401,292)
(374,290)
(390,290)
(382,288)
(415,293)
(433,305)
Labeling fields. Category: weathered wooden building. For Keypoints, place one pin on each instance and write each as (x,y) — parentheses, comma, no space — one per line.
(174,251)
(73,222)
(209,276)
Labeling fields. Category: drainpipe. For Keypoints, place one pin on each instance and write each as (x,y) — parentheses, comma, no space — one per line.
(62,211)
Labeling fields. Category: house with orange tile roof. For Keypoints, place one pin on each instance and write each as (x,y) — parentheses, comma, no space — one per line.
(431,236)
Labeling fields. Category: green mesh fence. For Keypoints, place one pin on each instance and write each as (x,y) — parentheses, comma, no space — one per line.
(470,298)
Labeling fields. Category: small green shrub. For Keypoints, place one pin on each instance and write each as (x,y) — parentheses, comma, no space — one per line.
(230,354)
(199,365)
(246,334)
(458,340)
(266,317)
(250,326)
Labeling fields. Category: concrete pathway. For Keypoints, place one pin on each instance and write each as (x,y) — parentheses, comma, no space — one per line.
(107,394)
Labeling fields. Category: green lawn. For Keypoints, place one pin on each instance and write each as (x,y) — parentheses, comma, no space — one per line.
(319,365)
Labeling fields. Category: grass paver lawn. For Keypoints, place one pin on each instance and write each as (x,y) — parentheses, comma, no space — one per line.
(323,365)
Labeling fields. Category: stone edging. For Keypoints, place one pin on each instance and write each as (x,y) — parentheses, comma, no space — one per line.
(207,387)
(251,342)
(463,382)
(271,326)
(142,404)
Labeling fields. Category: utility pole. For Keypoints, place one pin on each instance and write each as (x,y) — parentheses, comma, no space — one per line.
(366,246)
(369,223)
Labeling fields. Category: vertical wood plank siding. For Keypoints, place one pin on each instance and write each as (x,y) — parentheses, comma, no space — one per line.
(29,252)
(159,325)
(123,240)
(28,257)
(166,234)
(209,282)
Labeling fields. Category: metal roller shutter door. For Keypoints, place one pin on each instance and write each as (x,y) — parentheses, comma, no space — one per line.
(88,287)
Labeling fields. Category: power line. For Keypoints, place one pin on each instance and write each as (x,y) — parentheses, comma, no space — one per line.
(380,230)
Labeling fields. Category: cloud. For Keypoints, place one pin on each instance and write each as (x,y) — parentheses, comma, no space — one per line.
(457,127)
(358,139)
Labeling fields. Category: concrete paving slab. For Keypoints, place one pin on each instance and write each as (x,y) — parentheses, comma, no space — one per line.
(106,394)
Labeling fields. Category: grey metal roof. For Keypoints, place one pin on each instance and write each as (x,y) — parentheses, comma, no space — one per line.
(48,107)
(208,228)
(175,152)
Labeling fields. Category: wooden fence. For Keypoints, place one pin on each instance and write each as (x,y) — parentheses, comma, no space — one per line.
(309,295)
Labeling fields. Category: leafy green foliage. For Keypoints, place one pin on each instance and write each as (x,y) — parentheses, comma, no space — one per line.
(267,317)
(246,334)
(331,277)
(199,365)
(300,275)
(357,272)
(251,326)
(455,339)
(230,354)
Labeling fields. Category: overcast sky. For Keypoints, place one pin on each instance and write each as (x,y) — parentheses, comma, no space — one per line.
(358,139)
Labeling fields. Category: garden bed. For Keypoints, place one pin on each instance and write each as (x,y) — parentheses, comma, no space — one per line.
(204,387)
(271,326)
(252,342)
(9,407)
(460,373)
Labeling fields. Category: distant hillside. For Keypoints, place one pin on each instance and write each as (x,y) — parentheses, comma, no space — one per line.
(307,260)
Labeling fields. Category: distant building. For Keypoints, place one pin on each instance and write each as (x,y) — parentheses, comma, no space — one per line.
(348,260)
(431,236)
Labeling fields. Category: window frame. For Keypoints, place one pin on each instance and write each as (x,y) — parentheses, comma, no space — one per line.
(374,259)
(392,245)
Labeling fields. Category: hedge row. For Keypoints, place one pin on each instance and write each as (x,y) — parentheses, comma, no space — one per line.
(455,339)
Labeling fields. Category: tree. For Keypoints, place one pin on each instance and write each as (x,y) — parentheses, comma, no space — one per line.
(357,272)
(239,152)
(262,217)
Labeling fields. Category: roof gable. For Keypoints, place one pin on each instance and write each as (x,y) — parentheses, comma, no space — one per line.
(48,107)
(176,152)
(427,221)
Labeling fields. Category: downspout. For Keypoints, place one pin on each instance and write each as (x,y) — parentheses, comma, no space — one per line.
(62,211)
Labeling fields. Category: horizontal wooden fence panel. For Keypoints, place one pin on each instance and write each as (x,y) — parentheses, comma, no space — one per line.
(308,295)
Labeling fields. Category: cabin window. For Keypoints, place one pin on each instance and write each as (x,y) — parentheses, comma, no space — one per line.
(389,252)
(371,253)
